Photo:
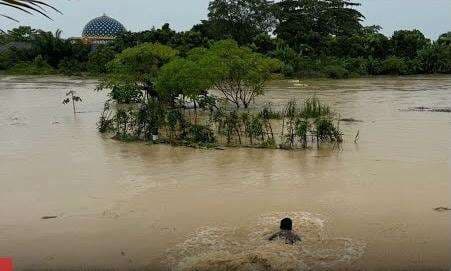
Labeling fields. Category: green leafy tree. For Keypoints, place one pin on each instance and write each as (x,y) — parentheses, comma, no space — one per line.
(182,76)
(237,72)
(20,34)
(433,59)
(70,66)
(310,21)
(394,66)
(241,20)
(407,43)
(445,39)
(98,60)
(54,48)
(138,66)
(377,45)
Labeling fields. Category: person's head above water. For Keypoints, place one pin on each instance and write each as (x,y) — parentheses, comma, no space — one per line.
(286,224)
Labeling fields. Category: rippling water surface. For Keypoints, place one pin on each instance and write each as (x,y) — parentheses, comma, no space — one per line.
(135,205)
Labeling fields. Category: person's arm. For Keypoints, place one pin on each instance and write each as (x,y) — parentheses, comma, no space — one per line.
(274,236)
(298,238)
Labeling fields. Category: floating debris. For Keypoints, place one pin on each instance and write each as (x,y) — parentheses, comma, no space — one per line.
(350,120)
(442,209)
(430,109)
(49,217)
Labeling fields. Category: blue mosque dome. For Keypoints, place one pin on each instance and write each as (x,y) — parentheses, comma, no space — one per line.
(103,27)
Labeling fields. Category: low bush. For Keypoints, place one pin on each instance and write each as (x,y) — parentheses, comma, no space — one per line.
(394,66)
(38,67)
(336,72)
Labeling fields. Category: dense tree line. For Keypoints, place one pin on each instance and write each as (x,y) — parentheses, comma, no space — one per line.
(309,37)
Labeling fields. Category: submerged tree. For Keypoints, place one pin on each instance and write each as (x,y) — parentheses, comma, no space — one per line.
(72,97)
(182,77)
(137,67)
(237,72)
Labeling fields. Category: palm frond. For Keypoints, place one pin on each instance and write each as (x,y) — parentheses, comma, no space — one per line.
(28,6)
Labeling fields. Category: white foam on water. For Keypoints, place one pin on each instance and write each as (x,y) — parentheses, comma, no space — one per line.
(248,249)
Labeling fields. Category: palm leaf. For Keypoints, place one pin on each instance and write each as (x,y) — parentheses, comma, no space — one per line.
(28,6)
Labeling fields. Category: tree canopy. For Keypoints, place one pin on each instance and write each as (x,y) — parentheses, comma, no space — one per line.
(240,20)
(237,72)
(309,21)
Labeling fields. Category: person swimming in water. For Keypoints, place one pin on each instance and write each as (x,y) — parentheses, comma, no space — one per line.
(286,232)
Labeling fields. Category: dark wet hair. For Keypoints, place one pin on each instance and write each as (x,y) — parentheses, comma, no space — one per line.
(286,224)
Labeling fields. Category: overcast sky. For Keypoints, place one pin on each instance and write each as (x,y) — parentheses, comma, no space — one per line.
(432,17)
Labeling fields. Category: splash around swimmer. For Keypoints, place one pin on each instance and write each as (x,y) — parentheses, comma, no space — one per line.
(286,232)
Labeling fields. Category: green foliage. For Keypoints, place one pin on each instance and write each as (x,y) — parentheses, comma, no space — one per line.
(125,94)
(98,60)
(302,130)
(201,134)
(313,38)
(434,58)
(19,34)
(377,45)
(240,20)
(336,72)
(326,130)
(137,68)
(309,22)
(140,63)
(182,76)
(444,39)
(38,67)
(313,108)
(236,71)
(106,122)
(394,66)
(406,43)
(69,66)
(312,118)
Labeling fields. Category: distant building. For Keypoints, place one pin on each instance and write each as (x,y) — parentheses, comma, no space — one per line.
(101,30)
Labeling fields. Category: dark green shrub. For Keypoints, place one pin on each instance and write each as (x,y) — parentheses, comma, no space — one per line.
(336,72)
(70,66)
(394,66)
(125,94)
(374,66)
(201,134)
(38,67)
(326,130)
(98,60)
(356,65)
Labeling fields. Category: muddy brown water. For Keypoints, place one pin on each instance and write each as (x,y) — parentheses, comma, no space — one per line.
(132,205)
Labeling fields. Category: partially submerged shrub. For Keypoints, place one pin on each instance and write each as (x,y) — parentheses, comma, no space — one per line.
(313,108)
(201,134)
(302,125)
(336,72)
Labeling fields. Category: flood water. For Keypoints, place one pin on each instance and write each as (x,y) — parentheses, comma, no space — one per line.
(132,205)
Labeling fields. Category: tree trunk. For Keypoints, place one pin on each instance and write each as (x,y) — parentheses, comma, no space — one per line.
(73,103)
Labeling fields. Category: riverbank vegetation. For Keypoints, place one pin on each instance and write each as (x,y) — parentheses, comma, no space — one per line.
(310,38)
